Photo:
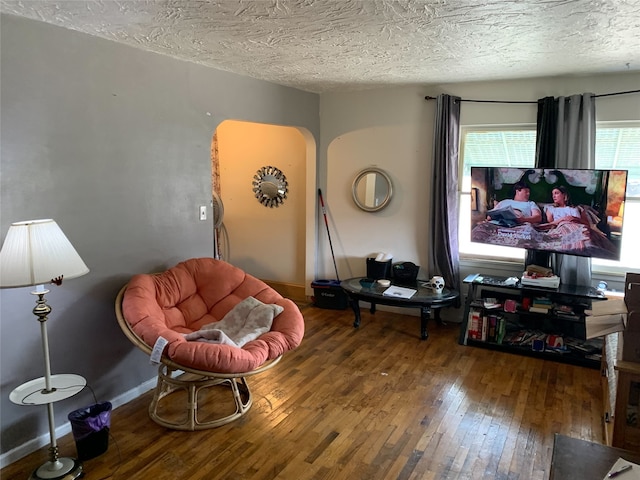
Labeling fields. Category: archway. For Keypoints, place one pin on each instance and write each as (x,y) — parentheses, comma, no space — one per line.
(270,243)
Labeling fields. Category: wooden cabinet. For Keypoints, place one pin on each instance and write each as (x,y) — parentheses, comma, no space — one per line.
(534,321)
(626,427)
(621,393)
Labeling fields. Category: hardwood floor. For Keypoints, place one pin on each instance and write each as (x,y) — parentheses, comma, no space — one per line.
(368,403)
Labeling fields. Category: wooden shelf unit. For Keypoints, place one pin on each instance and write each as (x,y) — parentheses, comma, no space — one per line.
(571,327)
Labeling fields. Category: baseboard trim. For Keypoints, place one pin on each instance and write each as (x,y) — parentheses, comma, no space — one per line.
(43,440)
(289,290)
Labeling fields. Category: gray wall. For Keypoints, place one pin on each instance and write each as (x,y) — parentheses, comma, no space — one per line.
(114,144)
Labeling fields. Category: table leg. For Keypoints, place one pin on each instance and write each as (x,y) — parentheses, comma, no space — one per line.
(355,305)
(437,318)
(372,309)
(424,319)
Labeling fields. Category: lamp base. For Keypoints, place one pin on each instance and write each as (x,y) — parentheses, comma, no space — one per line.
(70,470)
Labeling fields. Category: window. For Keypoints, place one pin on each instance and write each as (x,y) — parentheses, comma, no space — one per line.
(489,147)
(617,147)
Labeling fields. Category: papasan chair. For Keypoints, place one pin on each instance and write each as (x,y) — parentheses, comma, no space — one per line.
(211,325)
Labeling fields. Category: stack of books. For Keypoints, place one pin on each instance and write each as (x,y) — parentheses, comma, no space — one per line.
(565,311)
(534,280)
(491,303)
(486,327)
(541,305)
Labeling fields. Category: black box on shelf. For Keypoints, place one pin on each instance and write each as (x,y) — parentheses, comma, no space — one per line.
(329,294)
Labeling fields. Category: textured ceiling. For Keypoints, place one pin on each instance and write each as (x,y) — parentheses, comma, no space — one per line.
(331,45)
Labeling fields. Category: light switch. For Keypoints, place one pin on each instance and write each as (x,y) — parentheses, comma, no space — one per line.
(203,212)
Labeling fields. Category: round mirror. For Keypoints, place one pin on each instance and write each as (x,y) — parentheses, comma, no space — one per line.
(270,186)
(372,189)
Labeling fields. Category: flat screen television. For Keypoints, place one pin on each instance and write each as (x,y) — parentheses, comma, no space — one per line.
(576,212)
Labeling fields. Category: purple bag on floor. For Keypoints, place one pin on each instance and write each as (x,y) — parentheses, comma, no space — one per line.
(90,426)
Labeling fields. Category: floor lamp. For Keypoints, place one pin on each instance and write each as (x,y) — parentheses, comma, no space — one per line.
(37,253)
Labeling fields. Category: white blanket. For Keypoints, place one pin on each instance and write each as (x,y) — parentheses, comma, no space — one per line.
(245,322)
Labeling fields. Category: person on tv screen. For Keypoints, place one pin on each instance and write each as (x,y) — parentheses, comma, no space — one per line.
(562,209)
(517,210)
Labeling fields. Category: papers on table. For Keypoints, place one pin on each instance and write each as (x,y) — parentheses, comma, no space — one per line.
(625,473)
(399,292)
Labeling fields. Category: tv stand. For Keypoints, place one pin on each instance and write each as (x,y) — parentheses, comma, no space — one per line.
(526,320)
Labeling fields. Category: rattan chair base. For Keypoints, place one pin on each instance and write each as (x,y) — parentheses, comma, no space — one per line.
(192,384)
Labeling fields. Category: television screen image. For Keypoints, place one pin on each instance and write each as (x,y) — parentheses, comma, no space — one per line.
(576,212)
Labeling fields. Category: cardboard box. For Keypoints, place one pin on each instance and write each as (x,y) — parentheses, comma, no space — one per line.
(619,315)
(606,317)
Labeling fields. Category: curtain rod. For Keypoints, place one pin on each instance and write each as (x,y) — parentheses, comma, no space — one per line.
(428,97)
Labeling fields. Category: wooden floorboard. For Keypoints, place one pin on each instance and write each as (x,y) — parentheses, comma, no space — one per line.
(369,403)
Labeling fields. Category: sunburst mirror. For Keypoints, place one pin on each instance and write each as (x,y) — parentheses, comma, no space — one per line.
(270,186)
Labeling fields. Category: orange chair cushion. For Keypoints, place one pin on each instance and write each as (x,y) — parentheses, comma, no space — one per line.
(198,292)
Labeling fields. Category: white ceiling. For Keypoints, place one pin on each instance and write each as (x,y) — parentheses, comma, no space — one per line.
(332,45)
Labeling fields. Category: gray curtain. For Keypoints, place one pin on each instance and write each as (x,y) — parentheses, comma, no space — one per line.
(444,252)
(567,133)
(575,148)
(546,128)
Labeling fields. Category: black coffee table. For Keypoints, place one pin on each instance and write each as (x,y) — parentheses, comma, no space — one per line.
(425,299)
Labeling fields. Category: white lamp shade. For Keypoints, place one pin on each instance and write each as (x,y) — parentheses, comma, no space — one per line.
(35,252)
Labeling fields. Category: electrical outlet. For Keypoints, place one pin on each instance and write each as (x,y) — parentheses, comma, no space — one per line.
(203,212)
